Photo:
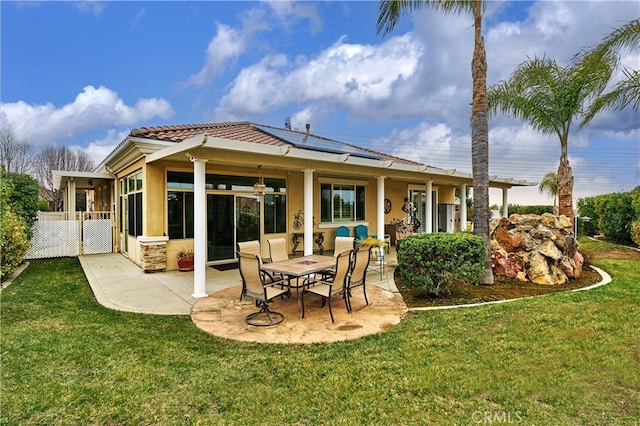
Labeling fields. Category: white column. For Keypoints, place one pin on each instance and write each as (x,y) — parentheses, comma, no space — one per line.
(429,207)
(72,198)
(463,208)
(505,203)
(308,212)
(200,229)
(380,208)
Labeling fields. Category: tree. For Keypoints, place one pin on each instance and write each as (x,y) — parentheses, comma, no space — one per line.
(549,185)
(15,155)
(23,198)
(13,239)
(389,13)
(59,158)
(626,91)
(551,98)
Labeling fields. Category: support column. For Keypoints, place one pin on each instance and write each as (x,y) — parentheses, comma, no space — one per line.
(505,203)
(428,226)
(72,198)
(308,211)
(463,208)
(200,229)
(380,207)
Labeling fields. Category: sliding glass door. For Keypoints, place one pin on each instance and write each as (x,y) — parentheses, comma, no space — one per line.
(231,219)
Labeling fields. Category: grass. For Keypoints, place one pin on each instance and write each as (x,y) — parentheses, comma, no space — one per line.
(566,359)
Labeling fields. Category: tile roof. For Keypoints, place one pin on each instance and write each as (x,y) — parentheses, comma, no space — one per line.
(243,131)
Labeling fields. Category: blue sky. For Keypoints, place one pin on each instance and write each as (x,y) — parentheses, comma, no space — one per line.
(85,73)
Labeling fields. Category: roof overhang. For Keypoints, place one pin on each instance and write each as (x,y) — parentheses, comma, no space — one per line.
(153,150)
(83,180)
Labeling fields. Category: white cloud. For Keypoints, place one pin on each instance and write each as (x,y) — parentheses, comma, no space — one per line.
(355,77)
(94,8)
(98,150)
(227,45)
(93,108)
(288,12)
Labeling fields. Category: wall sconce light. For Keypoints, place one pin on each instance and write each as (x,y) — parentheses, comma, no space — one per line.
(259,187)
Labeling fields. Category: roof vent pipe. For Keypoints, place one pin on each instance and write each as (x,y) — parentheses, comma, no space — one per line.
(308,126)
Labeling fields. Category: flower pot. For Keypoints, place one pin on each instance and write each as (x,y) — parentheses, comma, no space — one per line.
(185,265)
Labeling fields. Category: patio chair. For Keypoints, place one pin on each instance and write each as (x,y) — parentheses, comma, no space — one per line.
(342,244)
(252,247)
(362,232)
(278,249)
(256,288)
(342,231)
(332,286)
(358,278)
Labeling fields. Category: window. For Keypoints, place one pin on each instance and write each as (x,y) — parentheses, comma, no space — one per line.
(275,213)
(342,202)
(180,200)
(180,214)
(131,198)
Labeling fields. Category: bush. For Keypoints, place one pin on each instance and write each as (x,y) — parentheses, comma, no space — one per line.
(616,218)
(635,225)
(432,261)
(518,209)
(635,232)
(614,215)
(13,243)
(23,198)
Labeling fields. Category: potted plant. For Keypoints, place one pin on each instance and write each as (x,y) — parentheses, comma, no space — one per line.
(185,259)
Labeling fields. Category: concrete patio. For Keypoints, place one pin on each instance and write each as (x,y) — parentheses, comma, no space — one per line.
(119,284)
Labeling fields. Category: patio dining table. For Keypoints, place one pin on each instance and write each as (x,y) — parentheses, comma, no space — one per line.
(300,267)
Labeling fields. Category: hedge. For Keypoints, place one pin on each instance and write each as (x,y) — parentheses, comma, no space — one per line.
(431,262)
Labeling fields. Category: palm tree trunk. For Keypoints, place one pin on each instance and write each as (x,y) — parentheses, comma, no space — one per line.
(480,144)
(565,180)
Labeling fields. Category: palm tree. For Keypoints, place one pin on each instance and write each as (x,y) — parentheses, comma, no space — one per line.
(549,185)
(626,91)
(551,98)
(390,12)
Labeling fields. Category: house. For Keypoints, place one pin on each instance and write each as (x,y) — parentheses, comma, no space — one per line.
(210,186)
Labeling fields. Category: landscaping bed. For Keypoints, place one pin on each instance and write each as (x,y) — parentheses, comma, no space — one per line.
(507,288)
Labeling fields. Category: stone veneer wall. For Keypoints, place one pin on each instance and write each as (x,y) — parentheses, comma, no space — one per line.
(153,253)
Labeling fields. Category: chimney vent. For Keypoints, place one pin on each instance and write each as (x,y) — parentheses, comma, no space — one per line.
(308,126)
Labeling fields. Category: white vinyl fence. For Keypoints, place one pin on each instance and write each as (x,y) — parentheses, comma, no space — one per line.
(63,234)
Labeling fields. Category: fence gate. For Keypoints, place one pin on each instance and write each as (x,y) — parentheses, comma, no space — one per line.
(63,234)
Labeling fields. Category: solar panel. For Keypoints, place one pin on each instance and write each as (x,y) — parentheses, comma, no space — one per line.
(304,141)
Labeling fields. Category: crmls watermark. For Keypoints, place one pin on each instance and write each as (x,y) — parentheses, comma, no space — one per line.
(496,417)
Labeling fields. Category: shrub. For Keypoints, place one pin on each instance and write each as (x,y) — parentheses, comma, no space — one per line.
(13,243)
(23,198)
(616,218)
(432,261)
(587,208)
(635,232)
(518,209)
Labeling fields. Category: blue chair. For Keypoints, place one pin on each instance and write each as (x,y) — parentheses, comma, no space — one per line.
(362,232)
(342,231)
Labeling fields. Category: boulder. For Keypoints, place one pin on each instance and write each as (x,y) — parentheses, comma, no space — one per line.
(541,249)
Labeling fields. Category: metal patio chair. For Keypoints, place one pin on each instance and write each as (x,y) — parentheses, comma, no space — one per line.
(329,287)
(253,247)
(361,258)
(278,249)
(256,288)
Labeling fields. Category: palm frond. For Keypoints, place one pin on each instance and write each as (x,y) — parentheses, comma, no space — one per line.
(390,11)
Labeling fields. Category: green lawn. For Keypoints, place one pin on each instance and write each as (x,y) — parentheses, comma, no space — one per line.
(564,359)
